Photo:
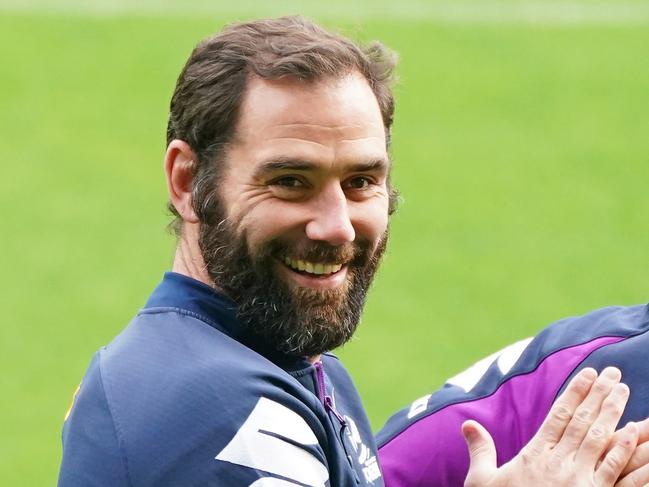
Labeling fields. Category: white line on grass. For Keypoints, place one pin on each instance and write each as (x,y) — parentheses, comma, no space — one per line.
(548,12)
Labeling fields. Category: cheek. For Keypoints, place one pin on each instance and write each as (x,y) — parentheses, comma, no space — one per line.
(287,221)
(371,220)
(269,222)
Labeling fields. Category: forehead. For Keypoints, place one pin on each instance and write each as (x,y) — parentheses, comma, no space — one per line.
(326,119)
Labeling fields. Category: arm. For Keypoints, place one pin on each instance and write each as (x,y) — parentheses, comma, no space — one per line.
(510,393)
(568,448)
(91,452)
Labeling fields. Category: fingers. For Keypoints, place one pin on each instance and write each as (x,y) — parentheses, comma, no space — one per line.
(587,412)
(482,454)
(603,428)
(643,427)
(637,478)
(641,454)
(636,471)
(615,460)
(640,457)
(561,412)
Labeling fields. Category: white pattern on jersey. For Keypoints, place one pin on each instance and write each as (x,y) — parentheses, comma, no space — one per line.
(506,357)
(253,447)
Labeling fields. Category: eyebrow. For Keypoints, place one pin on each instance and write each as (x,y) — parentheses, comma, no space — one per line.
(301,165)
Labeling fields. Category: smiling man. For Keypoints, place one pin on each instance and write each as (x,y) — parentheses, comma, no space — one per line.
(278,174)
(300,219)
(277,170)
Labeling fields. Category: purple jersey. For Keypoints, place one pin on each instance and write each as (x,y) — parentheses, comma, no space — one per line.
(510,393)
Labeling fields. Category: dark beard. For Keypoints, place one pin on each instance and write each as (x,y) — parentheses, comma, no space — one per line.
(279,317)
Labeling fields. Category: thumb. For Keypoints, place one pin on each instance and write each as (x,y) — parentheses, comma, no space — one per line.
(482,454)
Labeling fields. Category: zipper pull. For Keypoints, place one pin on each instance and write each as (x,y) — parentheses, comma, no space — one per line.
(324,397)
(329,406)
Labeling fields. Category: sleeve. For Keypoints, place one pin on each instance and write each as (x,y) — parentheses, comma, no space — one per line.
(210,443)
(91,451)
(509,392)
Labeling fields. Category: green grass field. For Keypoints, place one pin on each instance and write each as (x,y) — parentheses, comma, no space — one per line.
(520,149)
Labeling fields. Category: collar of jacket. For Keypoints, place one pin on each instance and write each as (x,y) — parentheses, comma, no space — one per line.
(185,294)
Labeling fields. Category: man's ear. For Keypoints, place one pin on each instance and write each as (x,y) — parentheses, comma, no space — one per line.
(179,170)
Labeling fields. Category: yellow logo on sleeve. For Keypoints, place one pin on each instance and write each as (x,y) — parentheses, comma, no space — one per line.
(74,396)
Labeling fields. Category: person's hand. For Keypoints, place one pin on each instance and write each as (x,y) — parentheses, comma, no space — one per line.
(575,446)
(636,472)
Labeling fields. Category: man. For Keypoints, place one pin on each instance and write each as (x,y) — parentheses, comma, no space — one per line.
(511,391)
(278,174)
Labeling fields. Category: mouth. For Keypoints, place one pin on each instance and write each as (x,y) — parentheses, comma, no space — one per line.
(312,268)
(323,275)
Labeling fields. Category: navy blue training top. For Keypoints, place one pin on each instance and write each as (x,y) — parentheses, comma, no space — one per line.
(178,400)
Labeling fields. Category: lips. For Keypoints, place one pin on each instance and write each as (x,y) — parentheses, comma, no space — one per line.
(314,268)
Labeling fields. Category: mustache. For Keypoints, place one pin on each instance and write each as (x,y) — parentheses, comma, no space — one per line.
(352,252)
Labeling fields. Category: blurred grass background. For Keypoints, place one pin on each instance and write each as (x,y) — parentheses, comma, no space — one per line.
(520,149)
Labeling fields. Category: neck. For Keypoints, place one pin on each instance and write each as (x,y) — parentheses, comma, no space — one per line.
(188,259)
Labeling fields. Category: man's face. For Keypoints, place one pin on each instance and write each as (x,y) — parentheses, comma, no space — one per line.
(305,200)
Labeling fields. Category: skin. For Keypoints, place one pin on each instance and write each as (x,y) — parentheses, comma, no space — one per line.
(576,445)
(308,163)
(178,164)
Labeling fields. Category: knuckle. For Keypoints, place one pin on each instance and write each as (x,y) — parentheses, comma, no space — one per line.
(580,385)
(580,421)
(480,449)
(529,455)
(561,412)
(583,416)
(601,387)
(614,461)
(597,433)
(613,405)
(596,439)
(555,460)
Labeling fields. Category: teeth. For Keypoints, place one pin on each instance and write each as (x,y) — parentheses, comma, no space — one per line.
(316,268)
(331,268)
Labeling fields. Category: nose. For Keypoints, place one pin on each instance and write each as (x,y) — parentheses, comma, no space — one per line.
(330,221)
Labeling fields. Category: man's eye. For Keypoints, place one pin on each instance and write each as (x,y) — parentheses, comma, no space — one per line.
(288,182)
(359,182)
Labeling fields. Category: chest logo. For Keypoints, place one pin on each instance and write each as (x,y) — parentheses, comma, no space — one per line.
(368,461)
